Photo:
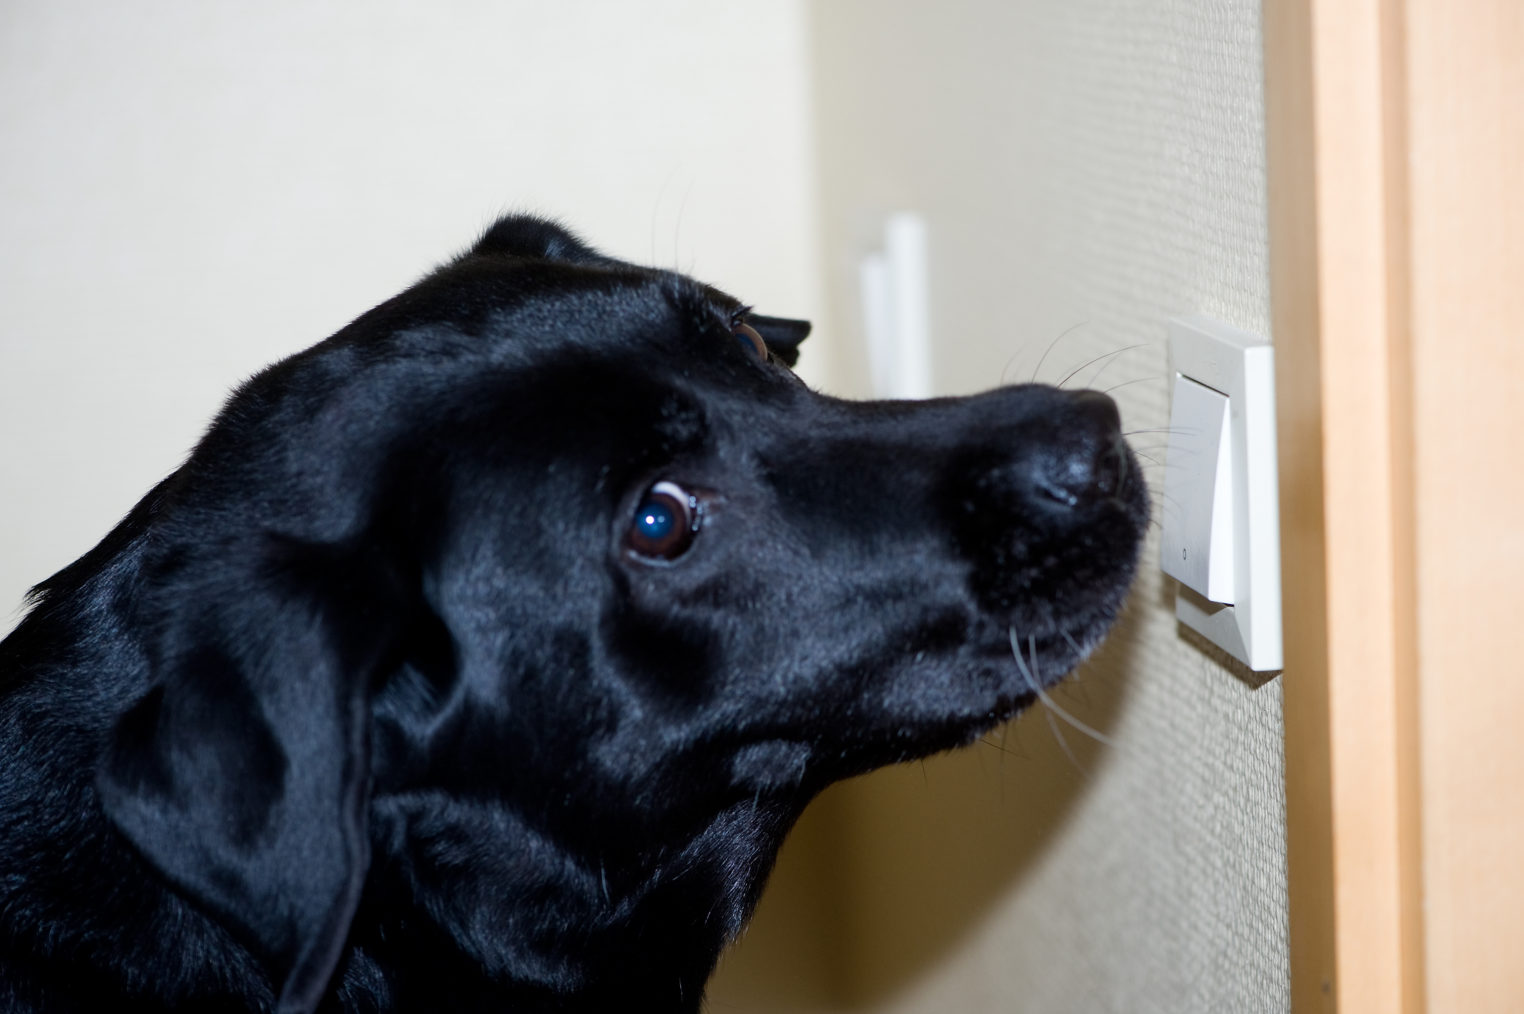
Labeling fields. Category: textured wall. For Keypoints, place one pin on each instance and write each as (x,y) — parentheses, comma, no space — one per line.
(1087,168)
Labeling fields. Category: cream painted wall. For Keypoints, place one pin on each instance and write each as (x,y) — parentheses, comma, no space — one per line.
(191,189)
(1087,168)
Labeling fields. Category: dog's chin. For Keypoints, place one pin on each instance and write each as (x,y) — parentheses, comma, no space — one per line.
(1045,624)
(1024,644)
(1009,670)
(1040,651)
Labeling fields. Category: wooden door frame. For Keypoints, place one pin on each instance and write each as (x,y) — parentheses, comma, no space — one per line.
(1395,137)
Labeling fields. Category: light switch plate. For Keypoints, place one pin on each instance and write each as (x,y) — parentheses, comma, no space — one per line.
(1241,367)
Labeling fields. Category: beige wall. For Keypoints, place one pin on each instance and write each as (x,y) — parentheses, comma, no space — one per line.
(192,189)
(1087,169)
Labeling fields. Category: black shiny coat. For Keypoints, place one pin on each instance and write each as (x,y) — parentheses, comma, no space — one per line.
(372,706)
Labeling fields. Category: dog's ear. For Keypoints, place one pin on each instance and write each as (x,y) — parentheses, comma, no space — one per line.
(782,335)
(529,236)
(243,774)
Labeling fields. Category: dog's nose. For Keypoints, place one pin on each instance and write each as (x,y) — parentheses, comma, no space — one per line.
(1073,480)
(1099,407)
(1085,462)
(1071,458)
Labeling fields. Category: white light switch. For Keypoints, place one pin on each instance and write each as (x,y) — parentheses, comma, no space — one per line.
(1197,539)
(1221,510)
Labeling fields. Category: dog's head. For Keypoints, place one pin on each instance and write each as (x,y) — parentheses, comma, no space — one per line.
(551,585)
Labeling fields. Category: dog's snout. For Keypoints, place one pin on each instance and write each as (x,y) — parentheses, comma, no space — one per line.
(1059,459)
(1052,495)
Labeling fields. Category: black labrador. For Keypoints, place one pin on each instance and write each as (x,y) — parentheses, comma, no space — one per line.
(480,657)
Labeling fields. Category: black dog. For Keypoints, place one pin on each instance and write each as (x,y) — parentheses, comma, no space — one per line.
(480,657)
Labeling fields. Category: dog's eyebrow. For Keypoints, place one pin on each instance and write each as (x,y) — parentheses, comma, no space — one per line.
(703,305)
(724,302)
(682,424)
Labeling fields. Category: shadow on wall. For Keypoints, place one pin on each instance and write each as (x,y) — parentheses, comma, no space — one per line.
(889,874)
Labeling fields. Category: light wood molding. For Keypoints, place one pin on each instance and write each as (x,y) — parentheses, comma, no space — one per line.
(1331,227)
(1395,135)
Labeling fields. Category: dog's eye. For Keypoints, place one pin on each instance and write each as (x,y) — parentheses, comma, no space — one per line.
(665,522)
(747,336)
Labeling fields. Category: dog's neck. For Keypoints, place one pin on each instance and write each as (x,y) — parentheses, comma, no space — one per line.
(537,930)
(619,939)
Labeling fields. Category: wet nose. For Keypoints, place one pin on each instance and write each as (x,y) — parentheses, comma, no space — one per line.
(1084,461)
(1100,409)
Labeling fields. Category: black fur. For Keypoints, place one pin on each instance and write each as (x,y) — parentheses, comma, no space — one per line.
(371,707)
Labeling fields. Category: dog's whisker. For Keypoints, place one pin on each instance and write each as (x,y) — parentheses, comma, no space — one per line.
(1075,686)
(1095,380)
(1167,507)
(1005,747)
(1150,429)
(1006,369)
(1078,651)
(1054,344)
(1003,754)
(1161,521)
(661,197)
(1063,744)
(1122,465)
(997,747)
(1028,674)
(1074,690)
(1129,383)
(677,226)
(1165,515)
(1092,362)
